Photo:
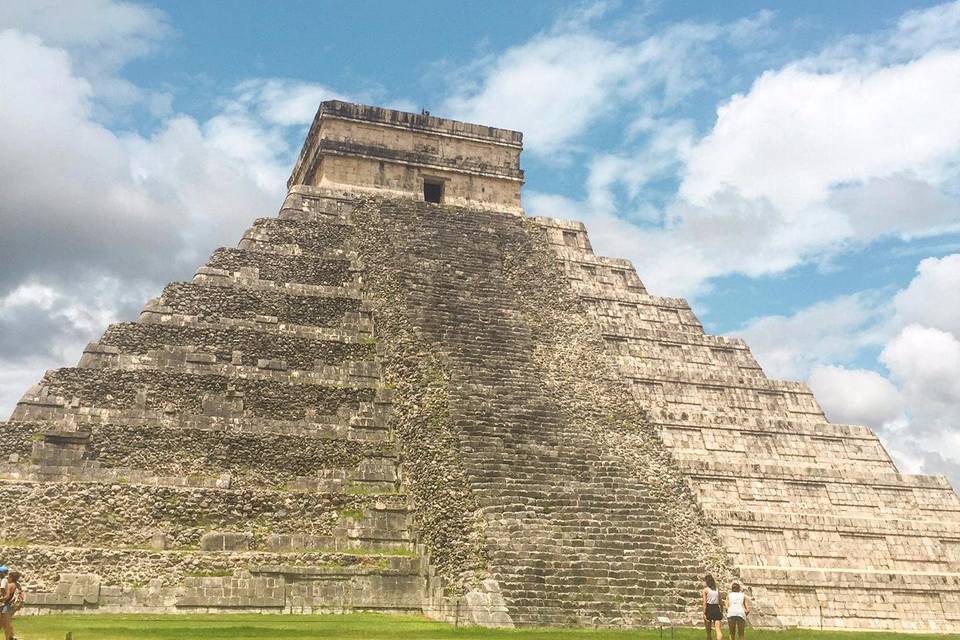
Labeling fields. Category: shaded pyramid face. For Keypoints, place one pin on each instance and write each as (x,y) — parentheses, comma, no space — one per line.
(380,402)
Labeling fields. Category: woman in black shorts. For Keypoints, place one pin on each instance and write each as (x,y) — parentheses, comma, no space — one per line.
(712,611)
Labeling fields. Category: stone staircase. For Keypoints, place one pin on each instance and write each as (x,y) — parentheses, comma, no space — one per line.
(229,451)
(573,535)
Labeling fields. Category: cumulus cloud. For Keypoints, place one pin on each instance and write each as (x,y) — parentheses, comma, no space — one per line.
(43,326)
(829,332)
(94,220)
(825,154)
(926,362)
(932,298)
(105,28)
(563,79)
(797,134)
(82,196)
(571,76)
(857,396)
(913,397)
(807,165)
(101,36)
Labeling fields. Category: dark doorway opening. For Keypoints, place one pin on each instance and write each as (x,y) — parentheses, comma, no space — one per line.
(433,191)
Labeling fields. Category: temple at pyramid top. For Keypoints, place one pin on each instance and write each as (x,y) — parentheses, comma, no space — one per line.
(353,147)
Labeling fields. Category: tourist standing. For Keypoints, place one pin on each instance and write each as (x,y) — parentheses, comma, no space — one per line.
(738,608)
(712,612)
(10,603)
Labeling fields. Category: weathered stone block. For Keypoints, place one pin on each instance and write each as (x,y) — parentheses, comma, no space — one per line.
(225,541)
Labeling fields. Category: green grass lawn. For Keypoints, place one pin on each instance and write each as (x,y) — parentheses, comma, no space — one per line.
(358,626)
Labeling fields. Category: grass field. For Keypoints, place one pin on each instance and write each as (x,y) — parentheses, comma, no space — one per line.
(359,626)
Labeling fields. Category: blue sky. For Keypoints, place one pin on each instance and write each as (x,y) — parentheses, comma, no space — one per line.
(791,168)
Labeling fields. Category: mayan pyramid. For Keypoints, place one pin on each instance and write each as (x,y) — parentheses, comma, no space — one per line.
(402,394)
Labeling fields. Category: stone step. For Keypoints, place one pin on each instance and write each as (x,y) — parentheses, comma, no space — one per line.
(833,463)
(355,328)
(363,373)
(864,579)
(133,451)
(306,205)
(213,298)
(832,552)
(772,422)
(728,427)
(601,270)
(785,520)
(325,269)
(95,514)
(315,235)
(248,282)
(750,396)
(611,308)
(365,422)
(812,474)
(236,345)
(760,493)
(698,371)
(181,581)
(175,392)
(663,363)
(330,481)
(640,337)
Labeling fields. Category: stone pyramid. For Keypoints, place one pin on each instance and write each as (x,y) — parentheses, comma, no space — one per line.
(402,394)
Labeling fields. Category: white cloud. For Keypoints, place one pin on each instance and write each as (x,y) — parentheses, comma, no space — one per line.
(926,363)
(551,88)
(806,165)
(926,29)
(828,332)
(666,146)
(857,396)
(45,325)
(826,154)
(100,36)
(111,31)
(284,102)
(94,221)
(796,134)
(915,403)
(933,297)
(570,77)
(79,194)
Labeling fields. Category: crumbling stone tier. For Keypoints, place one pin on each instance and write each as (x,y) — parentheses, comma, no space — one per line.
(379,402)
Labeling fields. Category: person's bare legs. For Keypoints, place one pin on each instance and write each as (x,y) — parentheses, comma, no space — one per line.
(7,626)
(719,626)
(709,625)
(736,629)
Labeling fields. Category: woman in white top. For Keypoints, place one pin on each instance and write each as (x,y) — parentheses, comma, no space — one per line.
(738,608)
(712,612)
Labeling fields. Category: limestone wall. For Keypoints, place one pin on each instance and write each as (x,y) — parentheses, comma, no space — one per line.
(357,148)
(822,527)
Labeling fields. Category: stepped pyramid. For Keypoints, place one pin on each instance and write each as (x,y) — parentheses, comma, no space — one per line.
(403,394)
